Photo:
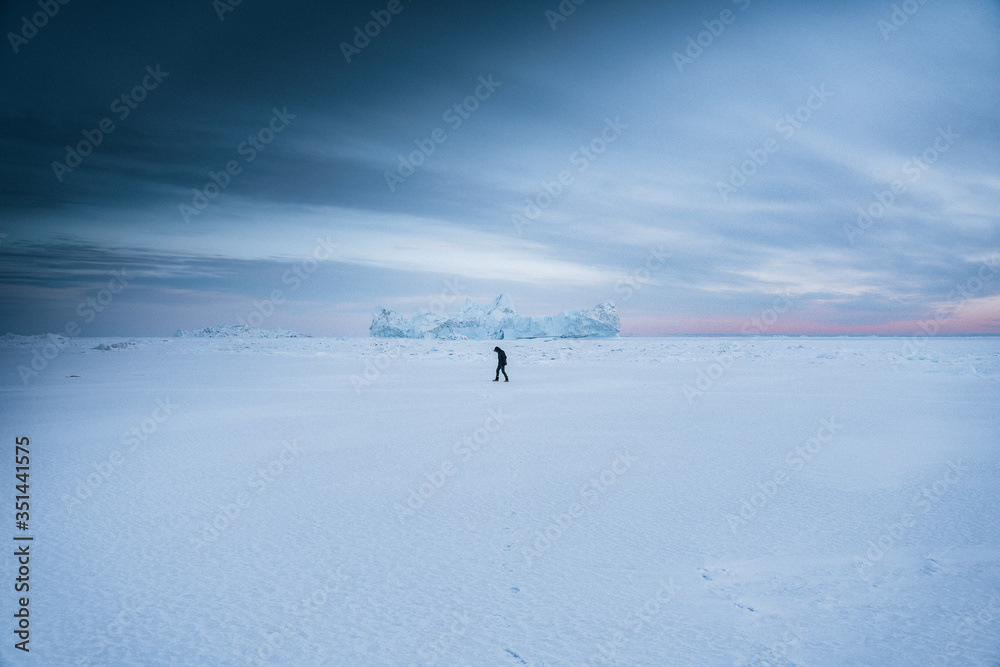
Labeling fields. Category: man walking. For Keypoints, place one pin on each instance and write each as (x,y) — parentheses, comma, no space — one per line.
(501,365)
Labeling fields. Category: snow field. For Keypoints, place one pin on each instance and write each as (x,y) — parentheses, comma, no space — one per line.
(621,501)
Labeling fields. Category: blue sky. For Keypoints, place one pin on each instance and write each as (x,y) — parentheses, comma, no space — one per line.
(808,167)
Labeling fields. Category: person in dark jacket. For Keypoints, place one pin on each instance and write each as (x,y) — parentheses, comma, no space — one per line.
(501,365)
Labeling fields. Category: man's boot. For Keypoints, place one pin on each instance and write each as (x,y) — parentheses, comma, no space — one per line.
(496,379)
(506,379)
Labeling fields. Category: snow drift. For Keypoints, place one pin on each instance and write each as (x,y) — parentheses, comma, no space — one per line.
(499,320)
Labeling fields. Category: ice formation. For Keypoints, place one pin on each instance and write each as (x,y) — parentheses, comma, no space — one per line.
(237,331)
(499,320)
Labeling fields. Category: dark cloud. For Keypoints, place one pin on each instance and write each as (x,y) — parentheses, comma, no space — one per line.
(748,92)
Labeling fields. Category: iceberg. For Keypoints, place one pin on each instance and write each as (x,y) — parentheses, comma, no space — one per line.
(497,321)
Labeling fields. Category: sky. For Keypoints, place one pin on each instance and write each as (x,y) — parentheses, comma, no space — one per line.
(713,167)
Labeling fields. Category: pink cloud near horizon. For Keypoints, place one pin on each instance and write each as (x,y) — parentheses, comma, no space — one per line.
(662,325)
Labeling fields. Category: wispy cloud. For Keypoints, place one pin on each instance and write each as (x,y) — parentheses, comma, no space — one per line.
(655,187)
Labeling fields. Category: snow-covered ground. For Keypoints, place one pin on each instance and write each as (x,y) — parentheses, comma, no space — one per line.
(688,501)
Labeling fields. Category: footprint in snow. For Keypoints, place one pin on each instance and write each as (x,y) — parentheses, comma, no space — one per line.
(719,588)
(706,573)
(519,658)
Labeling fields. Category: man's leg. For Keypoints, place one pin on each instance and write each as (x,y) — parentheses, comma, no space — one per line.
(504,370)
(497,378)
